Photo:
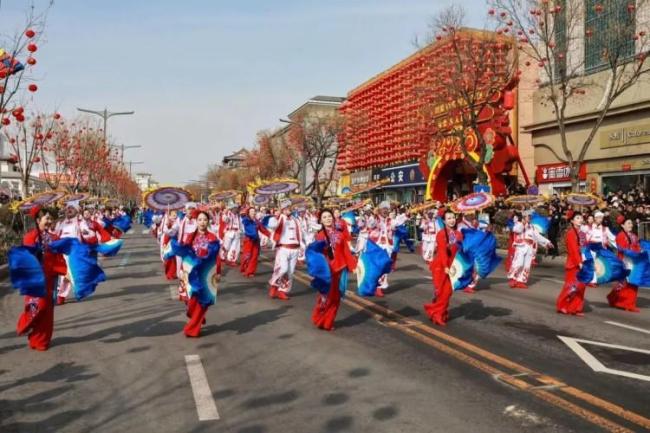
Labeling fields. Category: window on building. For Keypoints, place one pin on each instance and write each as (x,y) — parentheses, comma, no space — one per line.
(609,32)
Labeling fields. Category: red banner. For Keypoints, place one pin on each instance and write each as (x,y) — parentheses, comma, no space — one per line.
(560,172)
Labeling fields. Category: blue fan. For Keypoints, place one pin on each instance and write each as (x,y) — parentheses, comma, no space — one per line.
(83,271)
(317,267)
(25,271)
(461,271)
(200,273)
(373,263)
(601,267)
(122,223)
(250,228)
(109,248)
(480,247)
(638,265)
(541,223)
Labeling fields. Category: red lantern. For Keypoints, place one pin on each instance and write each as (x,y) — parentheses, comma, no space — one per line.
(32,48)
(31,61)
(57,116)
(32,87)
(2,89)
(20,118)
(6,121)
(30,33)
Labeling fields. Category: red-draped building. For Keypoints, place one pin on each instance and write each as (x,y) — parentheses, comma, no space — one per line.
(387,137)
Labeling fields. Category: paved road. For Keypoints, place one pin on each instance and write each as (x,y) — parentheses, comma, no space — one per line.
(118,360)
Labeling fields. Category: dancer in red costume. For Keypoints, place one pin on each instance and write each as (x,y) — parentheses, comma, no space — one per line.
(170,264)
(340,259)
(199,241)
(623,295)
(572,297)
(447,241)
(38,315)
(250,252)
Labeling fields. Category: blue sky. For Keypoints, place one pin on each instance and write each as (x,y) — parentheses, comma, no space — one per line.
(205,76)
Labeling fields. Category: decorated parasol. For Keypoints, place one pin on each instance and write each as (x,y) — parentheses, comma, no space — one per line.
(582,199)
(111,202)
(356,206)
(423,206)
(42,199)
(301,200)
(81,196)
(368,187)
(472,202)
(273,186)
(337,201)
(525,200)
(259,200)
(223,195)
(167,198)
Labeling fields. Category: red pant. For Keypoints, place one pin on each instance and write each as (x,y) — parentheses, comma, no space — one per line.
(170,268)
(438,309)
(196,313)
(324,313)
(572,297)
(249,256)
(623,296)
(38,318)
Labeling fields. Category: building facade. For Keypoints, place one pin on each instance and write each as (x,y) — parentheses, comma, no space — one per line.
(390,119)
(619,155)
(312,112)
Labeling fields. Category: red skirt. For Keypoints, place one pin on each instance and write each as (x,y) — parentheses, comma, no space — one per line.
(249,257)
(38,318)
(196,314)
(623,296)
(572,297)
(324,313)
(170,268)
(438,310)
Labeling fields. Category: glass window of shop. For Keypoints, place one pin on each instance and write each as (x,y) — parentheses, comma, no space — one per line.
(626,182)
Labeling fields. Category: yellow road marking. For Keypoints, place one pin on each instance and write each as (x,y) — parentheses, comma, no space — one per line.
(381,313)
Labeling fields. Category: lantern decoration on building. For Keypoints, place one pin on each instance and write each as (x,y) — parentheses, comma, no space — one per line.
(408,114)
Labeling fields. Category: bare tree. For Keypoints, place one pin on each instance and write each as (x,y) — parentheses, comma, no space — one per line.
(568,40)
(314,143)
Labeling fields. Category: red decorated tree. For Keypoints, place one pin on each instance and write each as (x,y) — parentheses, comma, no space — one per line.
(27,137)
(466,89)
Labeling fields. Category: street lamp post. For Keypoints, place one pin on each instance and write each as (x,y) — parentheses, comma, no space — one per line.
(105,114)
(122,147)
(131,164)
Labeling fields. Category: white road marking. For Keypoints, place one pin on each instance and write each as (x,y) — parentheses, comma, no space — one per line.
(173,293)
(125,260)
(595,364)
(623,325)
(527,418)
(146,231)
(206,408)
